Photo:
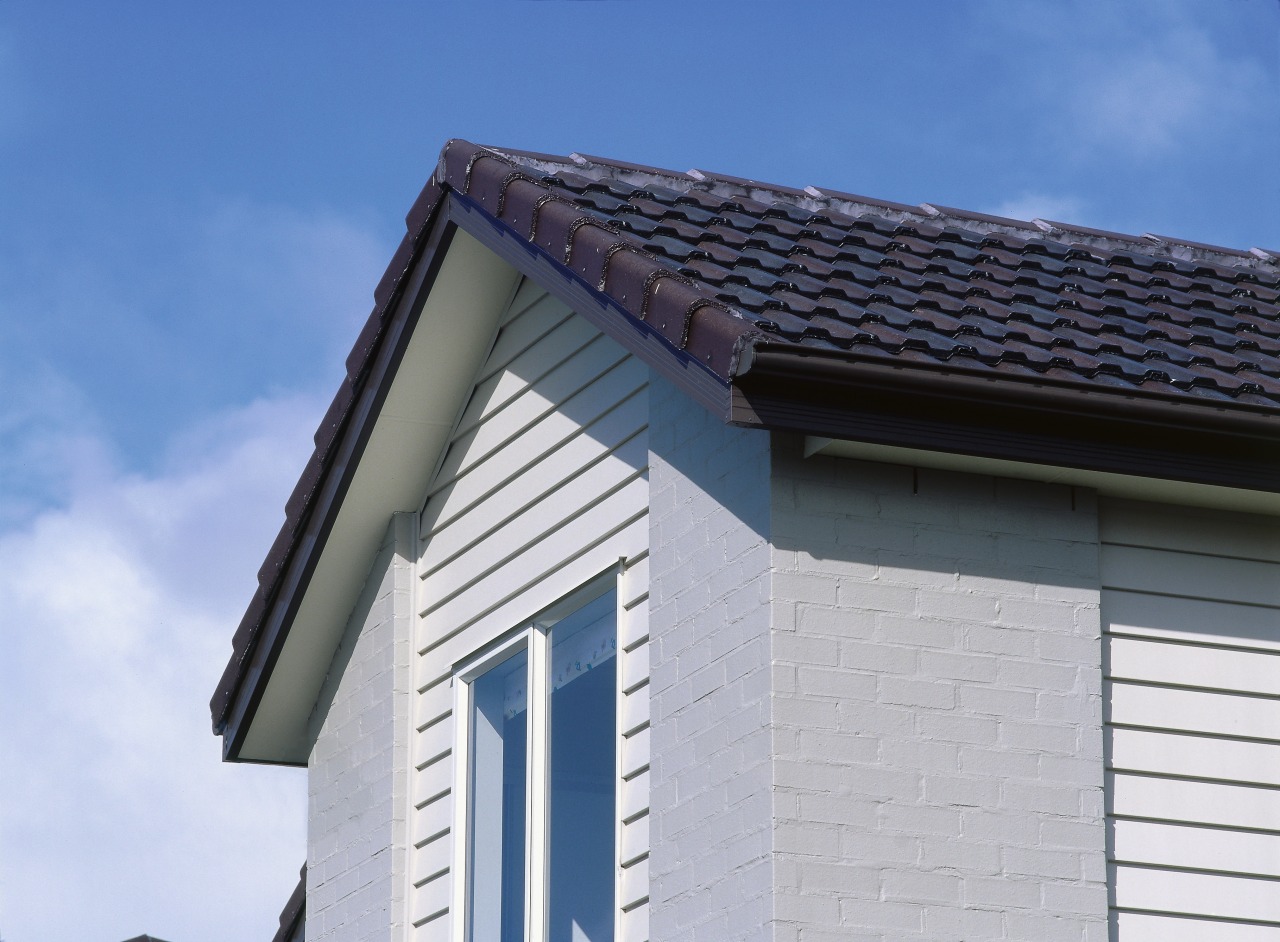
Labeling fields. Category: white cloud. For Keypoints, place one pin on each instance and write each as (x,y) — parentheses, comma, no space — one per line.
(116,815)
(1162,88)
(1131,81)
(1028,206)
(304,278)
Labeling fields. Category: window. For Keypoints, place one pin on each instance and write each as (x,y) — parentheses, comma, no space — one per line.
(539,764)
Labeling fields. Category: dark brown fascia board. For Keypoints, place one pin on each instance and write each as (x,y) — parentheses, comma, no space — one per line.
(1039,422)
(339,469)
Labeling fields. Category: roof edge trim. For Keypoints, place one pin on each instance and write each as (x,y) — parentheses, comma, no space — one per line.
(1044,423)
(308,541)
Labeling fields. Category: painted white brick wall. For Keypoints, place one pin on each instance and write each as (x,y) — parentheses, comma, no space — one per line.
(937,713)
(710,865)
(358,769)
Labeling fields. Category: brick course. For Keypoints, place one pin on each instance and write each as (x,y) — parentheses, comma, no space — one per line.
(930,649)
(357,772)
(969,769)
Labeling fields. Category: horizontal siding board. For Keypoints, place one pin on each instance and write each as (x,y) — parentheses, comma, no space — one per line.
(432,701)
(635,840)
(1172,754)
(431,899)
(446,641)
(621,400)
(432,861)
(635,709)
(1196,894)
(531,523)
(634,629)
(1195,666)
(1191,620)
(1190,530)
(434,741)
(635,669)
(432,820)
(635,796)
(1193,802)
(477,502)
(598,373)
(429,785)
(1192,703)
(528,293)
(523,368)
(635,882)
(524,325)
(1223,714)
(539,561)
(1173,845)
(635,581)
(635,922)
(1145,927)
(1190,575)
(635,752)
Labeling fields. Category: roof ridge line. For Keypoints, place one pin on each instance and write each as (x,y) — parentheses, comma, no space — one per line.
(836,204)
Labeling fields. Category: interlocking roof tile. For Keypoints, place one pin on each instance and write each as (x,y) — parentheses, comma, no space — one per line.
(895,276)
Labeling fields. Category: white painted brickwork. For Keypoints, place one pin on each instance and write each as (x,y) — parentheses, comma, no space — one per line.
(938,720)
(357,772)
(711,871)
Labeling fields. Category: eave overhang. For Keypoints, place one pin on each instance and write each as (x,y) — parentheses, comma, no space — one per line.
(391,431)
(953,411)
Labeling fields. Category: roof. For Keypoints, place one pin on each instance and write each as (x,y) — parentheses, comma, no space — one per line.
(294,914)
(833,273)
(839,315)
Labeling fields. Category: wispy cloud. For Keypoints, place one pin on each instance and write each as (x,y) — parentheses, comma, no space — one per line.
(116,815)
(1028,206)
(1161,89)
(121,344)
(1137,81)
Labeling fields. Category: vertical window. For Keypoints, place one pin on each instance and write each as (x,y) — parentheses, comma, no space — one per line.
(541,768)
(584,677)
(499,738)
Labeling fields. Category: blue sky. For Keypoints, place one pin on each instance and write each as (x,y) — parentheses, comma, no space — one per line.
(195,205)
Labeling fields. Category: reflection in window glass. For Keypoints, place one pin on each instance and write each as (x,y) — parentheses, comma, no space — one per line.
(498,748)
(583,666)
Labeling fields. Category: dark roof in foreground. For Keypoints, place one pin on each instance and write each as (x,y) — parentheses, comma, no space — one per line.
(841,315)
(294,914)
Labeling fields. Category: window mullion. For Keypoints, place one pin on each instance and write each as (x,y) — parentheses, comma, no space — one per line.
(538,788)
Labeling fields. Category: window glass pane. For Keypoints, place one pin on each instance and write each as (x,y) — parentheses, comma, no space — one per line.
(583,666)
(498,748)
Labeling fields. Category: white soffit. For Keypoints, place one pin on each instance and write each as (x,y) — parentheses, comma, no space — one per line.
(448,346)
(1105,483)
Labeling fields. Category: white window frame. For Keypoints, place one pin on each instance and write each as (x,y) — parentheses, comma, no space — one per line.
(533,636)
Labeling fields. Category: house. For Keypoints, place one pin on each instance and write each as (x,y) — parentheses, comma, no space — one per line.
(689,558)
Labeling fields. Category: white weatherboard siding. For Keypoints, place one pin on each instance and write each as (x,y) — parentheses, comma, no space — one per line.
(543,488)
(1191,605)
